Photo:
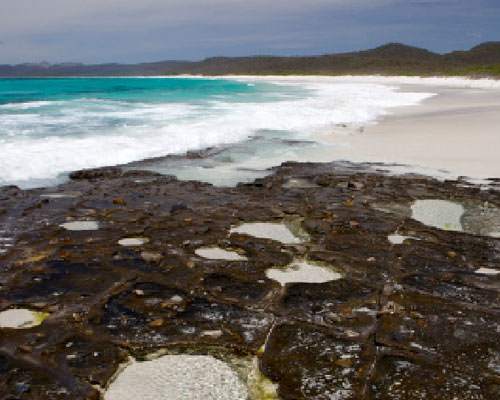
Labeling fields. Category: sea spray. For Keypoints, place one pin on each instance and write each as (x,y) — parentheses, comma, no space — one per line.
(51,126)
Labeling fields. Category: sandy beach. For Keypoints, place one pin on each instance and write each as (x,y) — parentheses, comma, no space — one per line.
(454,133)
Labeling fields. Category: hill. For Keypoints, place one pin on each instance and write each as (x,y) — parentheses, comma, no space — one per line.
(389,59)
(75,69)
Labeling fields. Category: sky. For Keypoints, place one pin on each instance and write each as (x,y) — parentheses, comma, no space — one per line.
(130,31)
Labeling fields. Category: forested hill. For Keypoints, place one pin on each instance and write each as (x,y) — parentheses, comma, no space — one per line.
(389,59)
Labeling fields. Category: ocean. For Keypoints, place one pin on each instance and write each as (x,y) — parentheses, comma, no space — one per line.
(49,127)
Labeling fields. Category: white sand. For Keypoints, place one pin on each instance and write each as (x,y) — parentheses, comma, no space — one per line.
(455,133)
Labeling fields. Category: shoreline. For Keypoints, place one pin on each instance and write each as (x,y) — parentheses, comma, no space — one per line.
(449,135)
(433,137)
(454,134)
(403,126)
(494,78)
(111,262)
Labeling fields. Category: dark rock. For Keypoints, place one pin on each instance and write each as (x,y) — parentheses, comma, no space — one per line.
(311,363)
(97,173)
(151,256)
(406,321)
(178,207)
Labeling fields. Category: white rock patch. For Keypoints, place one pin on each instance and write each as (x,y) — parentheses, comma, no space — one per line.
(304,272)
(268,230)
(487,271)
(216,253)
(61,195)
(299,183)
(442,214)
(133,241)
(21,318)
(397,239)
(81,226)
(178,377)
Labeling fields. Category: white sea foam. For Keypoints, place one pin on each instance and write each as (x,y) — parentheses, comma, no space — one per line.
(44,139)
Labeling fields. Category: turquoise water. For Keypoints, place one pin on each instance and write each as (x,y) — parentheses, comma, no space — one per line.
(49,127)
(155,90)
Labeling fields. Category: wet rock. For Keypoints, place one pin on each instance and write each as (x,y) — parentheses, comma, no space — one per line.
(135,319)
(178,207)
(151,256)
(231,289)
(97,173)
(311,363)
(413,316)
(356,185)
(400,378)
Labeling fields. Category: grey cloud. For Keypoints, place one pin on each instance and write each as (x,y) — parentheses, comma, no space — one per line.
(33,14)
(147,30)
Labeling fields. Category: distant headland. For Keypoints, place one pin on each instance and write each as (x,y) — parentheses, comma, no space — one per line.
(389,59)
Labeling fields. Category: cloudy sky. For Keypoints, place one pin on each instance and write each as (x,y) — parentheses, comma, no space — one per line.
(96,31)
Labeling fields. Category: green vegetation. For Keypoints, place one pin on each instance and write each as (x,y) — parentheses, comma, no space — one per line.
(390,59)
(482,70)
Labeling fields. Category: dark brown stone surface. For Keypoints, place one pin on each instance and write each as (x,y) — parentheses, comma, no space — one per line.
(407,321)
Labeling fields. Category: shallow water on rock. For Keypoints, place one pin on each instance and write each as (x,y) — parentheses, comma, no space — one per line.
(133,241)
(396,238)
(442,214)
(216,253)
(239,162)
(21,318)
(299,183)
(269,230)
(487,271)
(178,377)
(61,195)
(468,216)
(303,272)
(81,226)
(6,243)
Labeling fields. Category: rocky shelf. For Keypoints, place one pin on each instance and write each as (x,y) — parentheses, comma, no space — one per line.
(111,260)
